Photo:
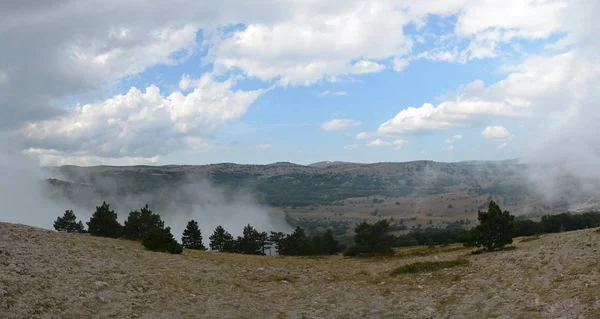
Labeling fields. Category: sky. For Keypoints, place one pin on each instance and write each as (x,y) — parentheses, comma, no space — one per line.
(195,82)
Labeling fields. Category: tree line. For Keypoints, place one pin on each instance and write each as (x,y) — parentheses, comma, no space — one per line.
(149,228)
(495,230)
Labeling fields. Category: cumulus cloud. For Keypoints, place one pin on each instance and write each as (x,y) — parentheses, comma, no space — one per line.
(364,135)
(453,139)
(378,143)
(140,124)
(502,146)
(496,133)
(338,124)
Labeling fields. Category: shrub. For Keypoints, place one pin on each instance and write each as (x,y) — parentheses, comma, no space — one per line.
(161,240)
(495,230)
(104,222)
(138,223)
(192,236)
(68,223)
(428,266)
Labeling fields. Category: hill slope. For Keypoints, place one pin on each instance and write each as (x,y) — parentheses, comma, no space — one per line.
(44,274)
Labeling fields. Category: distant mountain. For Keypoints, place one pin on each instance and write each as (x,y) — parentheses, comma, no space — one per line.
(325,164)
(287,184)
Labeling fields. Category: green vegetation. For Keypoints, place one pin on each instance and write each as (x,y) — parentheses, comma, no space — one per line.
(495,230)
(221,240)
(68,223)
(160,239)
(299,244)
(138,223)
(371,239)
(192,236)
(429,266)
(104,223)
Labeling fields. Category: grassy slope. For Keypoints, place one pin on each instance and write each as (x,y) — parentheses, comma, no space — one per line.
(44,274)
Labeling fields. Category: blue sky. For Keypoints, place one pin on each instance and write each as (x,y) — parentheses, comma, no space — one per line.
(294,81)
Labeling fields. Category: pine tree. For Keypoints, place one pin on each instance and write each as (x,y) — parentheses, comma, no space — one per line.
(221,240)
(192,236)
(138,223)
(68,223)
(161,240)
(104,222)
(495,230)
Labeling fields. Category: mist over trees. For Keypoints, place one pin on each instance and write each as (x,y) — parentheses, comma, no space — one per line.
(138,223)
(104,223)
(192,236)
(68,223)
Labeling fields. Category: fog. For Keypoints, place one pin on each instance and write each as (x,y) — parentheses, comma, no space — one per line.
(28,199)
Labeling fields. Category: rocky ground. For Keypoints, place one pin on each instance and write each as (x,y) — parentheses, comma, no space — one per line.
(44,274)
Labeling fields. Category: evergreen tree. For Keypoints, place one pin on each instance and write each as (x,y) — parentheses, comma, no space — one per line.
(221,240)
(275,239)
(295,244)
(68,223)
(330,245)
(138,223)
(192,236)
(495,230)
(252,242)
(160,239)
(104,222)
(372,239)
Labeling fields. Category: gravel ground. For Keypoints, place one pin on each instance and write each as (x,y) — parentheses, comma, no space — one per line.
(44,274)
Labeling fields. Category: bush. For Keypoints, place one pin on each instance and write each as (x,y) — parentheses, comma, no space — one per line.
(161,240)
(138,223)
(68,223)
(104,222)
(192,236)
(495,230)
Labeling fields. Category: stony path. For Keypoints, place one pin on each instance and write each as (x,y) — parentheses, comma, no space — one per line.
(44,274)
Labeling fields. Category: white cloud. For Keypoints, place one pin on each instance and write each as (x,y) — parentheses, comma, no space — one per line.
(378,143)
(324,93)
(453,139)
(142,124)
(496,133)
(462,112)
(364,66)
(364,135)
(318,42)
(450,148)
(399,142)
(351,146)
(340,93)
(400,64)
(338,124)
(503,146)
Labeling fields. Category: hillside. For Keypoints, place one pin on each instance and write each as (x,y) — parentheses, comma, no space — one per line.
(420,192)
(44,274)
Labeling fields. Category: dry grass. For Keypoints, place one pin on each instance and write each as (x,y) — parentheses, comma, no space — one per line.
(49,275)
(428,266)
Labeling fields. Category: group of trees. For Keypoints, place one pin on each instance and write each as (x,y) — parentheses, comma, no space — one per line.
(148,227)
(141,225)
(254,242)
(495,230)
